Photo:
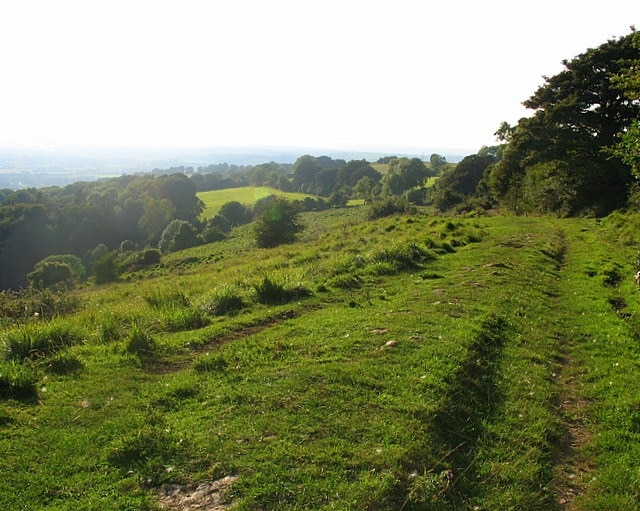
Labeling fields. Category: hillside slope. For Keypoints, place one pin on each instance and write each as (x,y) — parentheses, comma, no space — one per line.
(407,363)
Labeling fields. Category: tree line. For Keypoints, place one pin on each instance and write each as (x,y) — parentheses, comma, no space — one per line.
(577,153)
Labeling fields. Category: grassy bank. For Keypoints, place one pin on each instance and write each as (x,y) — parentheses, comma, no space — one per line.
(406,363)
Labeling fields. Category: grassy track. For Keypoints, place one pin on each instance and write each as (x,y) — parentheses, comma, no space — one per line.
(436,364)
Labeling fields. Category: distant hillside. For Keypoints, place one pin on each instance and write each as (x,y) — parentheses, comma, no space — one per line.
(25,168)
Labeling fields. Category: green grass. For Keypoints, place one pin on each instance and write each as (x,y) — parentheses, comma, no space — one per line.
(410,362)
(247,195)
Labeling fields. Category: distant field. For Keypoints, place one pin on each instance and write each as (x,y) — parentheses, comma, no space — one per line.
(248,195)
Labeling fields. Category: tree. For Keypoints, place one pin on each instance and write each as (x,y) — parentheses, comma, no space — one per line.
(404,174)
(578,115)
(178,235)
(64,270)
(236,213)
(276,222)
(437,163)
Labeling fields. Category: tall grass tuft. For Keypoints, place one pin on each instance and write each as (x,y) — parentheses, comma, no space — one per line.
(226,300)
(37,340)
(140,342)
(166,298)
(404,256)
(271,291)
(18,381)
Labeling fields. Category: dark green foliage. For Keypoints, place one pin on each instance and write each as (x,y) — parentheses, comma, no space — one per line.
(35,224)
(568,142)
(57,270)
(461,182)
(136,261)
(178,235)
(276,222)
(105,269)
(386,207)
(235,213)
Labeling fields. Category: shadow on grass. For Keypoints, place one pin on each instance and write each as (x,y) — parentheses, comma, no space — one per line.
(457,428)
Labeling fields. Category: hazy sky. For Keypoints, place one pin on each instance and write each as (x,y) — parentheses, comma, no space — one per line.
(345,74)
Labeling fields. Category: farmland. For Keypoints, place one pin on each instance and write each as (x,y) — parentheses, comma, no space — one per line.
(410,362)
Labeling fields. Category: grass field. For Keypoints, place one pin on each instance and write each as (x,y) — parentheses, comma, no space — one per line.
(247,195)
(407,363)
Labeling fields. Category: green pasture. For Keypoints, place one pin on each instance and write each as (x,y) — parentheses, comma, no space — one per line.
(407,363)
(248,195)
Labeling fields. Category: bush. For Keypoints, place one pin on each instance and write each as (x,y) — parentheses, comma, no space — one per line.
(388,207)
(276,222)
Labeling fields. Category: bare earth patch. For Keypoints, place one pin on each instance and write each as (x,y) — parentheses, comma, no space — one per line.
(211,496)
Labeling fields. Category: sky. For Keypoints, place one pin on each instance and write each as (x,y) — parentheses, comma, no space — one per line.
(339,74)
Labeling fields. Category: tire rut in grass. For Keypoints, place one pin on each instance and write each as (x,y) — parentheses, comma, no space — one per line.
(457,428)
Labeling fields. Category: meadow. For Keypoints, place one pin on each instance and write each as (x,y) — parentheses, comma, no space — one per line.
(247,195)
(407,363)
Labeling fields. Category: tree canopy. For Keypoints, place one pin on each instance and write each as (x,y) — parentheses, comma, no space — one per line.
(578,117)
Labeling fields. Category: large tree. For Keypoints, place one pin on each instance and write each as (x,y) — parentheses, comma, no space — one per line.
(578,115)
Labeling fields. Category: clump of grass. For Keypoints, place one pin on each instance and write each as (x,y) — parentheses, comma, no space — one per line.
(271,291)
(345,281)
(37,340)
(166,298)
(226,300)
(140,342)
(18,381)
(404,256)
(210,363)
(181,319)
(64,363)
(146,454)
(110,329)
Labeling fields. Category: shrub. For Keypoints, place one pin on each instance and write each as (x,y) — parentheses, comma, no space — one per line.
(276,222)
(388,207)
